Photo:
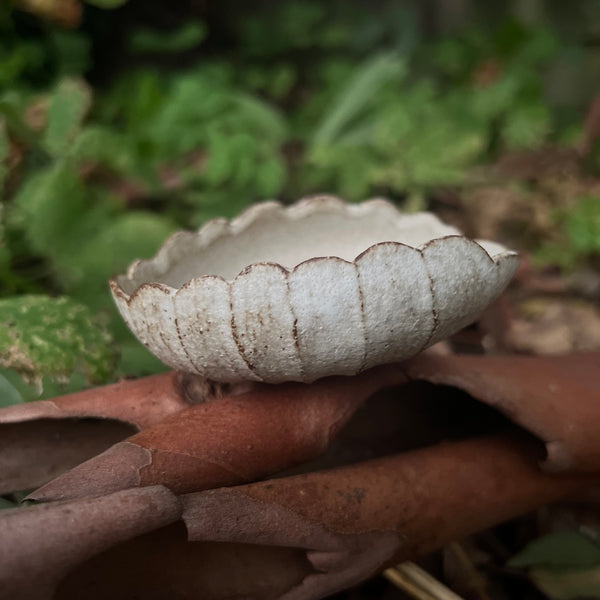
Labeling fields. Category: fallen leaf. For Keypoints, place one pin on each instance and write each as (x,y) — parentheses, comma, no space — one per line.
(39,545)
(33,453)
(140,402)
(270,428)
(40,440)
(230,441)
(550,327)
(163,565)
(555,398)
(296,538)
(356,520)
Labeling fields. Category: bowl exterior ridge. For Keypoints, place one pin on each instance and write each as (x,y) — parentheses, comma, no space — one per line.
(326,315)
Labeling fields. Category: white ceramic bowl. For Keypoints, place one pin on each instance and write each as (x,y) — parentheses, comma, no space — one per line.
(318,288)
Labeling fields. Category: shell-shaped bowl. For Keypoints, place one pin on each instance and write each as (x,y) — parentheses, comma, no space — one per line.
(318,288)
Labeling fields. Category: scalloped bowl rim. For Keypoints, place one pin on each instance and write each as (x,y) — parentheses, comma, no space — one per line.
(251,215)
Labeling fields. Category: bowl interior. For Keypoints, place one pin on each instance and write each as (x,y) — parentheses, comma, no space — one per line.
(289,241)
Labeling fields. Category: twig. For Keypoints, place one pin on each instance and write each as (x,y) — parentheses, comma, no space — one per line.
(475,579)
(416,582)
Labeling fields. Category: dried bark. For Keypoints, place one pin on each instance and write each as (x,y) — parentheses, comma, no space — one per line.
(163,565)
(39,545)
(555,398)
(356,520)
(215,444)
(235,440)
(33,453)
(40,440)
(347,522)
(140,402)
(304,537)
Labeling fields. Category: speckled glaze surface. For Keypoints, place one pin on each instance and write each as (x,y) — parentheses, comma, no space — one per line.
(318,288)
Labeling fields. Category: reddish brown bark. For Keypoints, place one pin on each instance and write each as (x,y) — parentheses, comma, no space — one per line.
(140,402)
(230,441)
(41,440)
(556,398)
(33,453)
(270,428)
(356,520)
(163,565)
(39,545)
(299,538)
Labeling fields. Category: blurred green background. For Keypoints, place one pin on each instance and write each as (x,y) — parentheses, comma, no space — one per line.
(122,121)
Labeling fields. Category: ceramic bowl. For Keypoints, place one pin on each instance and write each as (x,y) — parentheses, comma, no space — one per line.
(318,288)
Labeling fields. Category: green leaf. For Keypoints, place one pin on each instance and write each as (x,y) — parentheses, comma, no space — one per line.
(105,146)
(54,337)
(264,119)
(567,584)
(4,151)
(137,361)
(358,94)
(186,37)
(582,225)
(26,391)
(270,177)
(194,103)
(9,394)
(493,100)
(49,204)
(128,237)
(107,4)
(69,104)
(279,82)
(526,126)
(580,229)
(4,503)
(559,549)
(10,109)
(46,205)
(133,235)
(220,164)
(72,50)
(135,101)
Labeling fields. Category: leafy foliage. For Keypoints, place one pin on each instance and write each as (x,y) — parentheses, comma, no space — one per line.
(560,549)
(68,105)
(579,234)
(187,36)
(383,131)
(563,565)
(9,394)
(107,3)
(53,337)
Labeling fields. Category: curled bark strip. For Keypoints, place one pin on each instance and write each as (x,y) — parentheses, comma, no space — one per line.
(235,440)
(140,402)
(556,398)
(39,545)
(163,565)
(33,453)
(356,520)
(40,440)
(298,538)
